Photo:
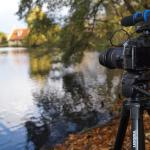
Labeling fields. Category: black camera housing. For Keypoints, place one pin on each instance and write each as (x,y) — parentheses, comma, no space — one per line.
(133,55)
(136,54)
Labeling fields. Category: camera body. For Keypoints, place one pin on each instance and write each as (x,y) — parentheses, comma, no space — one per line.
(133,55)
(136,54)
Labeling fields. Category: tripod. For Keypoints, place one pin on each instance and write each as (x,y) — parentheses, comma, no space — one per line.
(134,87)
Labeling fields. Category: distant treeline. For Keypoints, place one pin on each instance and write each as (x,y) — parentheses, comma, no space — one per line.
(3,40)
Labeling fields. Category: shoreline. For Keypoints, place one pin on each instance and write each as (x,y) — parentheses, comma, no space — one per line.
(102,138)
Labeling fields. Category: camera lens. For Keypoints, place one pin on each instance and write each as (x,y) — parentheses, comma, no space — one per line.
(112,58)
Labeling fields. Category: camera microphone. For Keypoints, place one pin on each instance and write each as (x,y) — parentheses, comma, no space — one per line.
(130,21)
(135,18)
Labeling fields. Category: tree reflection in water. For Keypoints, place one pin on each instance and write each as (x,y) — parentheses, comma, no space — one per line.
(72,99)
(40,64)
(37,133)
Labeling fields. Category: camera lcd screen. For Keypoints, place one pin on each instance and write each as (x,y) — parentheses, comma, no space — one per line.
(142,57)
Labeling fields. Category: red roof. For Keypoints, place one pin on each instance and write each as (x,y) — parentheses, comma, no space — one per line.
(18,34)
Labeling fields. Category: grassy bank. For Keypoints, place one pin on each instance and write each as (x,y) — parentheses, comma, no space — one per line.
(4,45)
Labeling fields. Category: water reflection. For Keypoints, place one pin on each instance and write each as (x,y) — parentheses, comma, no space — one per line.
(37,133)
(16,101)
(39,65)
(41,101)
(76,97)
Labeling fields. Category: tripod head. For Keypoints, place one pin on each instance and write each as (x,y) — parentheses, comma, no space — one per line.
(136,84)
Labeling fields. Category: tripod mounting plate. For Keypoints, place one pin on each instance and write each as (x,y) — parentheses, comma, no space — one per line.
(132,82)
(143,27)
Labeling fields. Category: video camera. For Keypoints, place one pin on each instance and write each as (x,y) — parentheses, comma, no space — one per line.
(134,54)
(134,57)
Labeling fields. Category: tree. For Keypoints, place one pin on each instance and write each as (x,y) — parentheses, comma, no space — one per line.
(38,24)
(3,38)
(89,23)
(37,20)
(41,27)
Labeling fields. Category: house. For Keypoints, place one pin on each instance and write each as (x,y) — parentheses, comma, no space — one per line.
(17,36)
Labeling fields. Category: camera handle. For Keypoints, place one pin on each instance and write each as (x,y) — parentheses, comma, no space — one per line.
(133,108)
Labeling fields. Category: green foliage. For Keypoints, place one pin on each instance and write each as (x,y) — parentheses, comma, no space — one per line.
(89,24)
(53,36)
(3,38)
(75,38)
(38,21)
(42,30)
(35,39)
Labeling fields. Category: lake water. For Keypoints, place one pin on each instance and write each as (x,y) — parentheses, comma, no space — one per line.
(41,101)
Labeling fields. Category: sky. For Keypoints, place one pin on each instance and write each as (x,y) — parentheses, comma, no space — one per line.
(8,19)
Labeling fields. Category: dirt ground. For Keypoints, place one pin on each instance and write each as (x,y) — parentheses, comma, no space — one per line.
(102,138)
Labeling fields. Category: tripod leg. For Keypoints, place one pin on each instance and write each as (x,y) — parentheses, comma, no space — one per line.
(137,127)
(122,127)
